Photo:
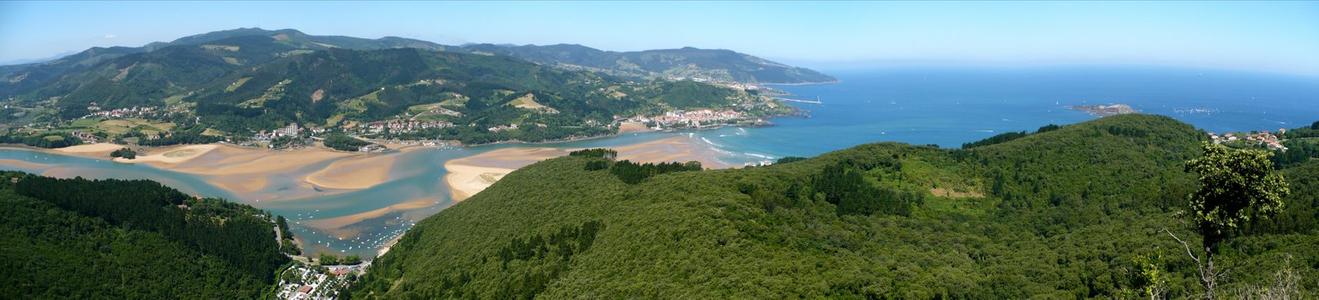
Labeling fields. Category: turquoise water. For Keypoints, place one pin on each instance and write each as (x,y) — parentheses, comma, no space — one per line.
(940,106)
(949,107)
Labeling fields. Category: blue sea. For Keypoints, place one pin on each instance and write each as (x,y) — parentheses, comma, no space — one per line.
(943,106)
(952,106)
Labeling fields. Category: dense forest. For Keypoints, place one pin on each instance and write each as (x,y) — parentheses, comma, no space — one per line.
(48,140)
(241,82)
(343,142)
(79,238)
(710,64)
(1076,211)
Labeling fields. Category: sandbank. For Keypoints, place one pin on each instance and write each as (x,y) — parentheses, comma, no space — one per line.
(339,226)
(469,175)
(90,148)
(171,155)
(24,164)
(353,173)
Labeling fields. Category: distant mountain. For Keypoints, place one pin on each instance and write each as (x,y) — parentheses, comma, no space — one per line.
(1062,213)
(16,80)
(705,64)
(247,80)
(297,39)
(702,64)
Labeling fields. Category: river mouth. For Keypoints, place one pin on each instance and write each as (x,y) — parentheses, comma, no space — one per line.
(339,213)
(335,202)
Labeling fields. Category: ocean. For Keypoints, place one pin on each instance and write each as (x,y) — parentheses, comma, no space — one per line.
(952,106)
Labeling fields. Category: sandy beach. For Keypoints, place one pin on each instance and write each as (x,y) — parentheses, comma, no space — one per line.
(261,174)
(470,175)
(250,171)
(359,172)
(171,155)
(91,148)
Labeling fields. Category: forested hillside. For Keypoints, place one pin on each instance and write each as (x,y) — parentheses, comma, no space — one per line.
(130,239)
(240,82)
(688,62)
(1072,212)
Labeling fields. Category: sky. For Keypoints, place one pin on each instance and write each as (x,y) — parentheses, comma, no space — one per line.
(1280,37)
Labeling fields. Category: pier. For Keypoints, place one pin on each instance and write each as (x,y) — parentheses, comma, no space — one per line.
(816,101)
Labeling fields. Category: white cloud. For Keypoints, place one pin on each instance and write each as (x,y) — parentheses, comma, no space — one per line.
(110,36)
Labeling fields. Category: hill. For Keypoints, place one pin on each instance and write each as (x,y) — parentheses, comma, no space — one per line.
(688,62)
(78,238)
(246,81)
(1065,213)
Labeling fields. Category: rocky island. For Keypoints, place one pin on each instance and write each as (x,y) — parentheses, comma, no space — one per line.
(1105,110)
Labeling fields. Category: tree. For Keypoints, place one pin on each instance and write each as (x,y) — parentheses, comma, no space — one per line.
(125,153)
(1236,186)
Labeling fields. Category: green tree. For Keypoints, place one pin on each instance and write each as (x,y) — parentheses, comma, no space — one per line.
(1236,186)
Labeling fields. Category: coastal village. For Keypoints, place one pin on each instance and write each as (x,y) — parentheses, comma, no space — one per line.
(691,119)
(1262,139)
(307,282)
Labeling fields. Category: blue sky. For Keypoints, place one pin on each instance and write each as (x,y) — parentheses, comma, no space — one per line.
(1257,36)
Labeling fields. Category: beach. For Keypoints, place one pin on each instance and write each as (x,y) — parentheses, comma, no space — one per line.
(470,175)
(249,172)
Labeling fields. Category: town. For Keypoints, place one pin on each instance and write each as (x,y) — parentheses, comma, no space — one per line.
(1263,139)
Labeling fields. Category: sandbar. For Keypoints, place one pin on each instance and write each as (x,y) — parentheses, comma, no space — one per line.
(353,173)
(339,226)
(90,148)
(171,155)
(24,164)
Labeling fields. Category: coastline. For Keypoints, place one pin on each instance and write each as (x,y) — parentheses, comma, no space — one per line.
(251,173)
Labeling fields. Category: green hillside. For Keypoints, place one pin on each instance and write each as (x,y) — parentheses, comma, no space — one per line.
(247,80)
(688,62)
(121,239)
(1059,214)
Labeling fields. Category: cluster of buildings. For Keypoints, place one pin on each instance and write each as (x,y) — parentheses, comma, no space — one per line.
(404,126)
(287,131)
(372,148)
(731,84)
(308,283)
(694,118)
(1264,139)
(132,112)
(86,137)
(503,128)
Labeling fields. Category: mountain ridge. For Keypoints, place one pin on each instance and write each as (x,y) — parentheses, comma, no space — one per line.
(597,58)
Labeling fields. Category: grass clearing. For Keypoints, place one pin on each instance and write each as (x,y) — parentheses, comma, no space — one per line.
(237,84)
(121,126)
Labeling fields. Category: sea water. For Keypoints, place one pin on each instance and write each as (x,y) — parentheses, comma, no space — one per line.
(952,106)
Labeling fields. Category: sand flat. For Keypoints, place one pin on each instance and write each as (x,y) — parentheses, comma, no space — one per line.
(90,148)
(339,226)
(24,164)
(359,172)
(171,155)
(230,160)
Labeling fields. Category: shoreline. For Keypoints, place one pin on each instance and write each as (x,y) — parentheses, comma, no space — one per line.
(257,174)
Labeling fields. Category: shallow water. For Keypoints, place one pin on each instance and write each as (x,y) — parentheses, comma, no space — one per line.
(947,107)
